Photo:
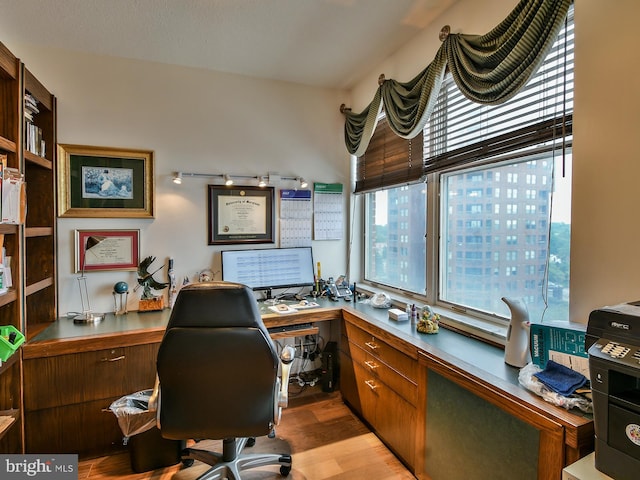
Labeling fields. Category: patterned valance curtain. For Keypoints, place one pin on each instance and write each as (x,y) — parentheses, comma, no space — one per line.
(488,69)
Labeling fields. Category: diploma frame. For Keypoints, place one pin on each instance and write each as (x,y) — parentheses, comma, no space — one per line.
(120,250)
(239,214)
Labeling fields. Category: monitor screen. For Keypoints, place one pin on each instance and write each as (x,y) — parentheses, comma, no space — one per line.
(269,268)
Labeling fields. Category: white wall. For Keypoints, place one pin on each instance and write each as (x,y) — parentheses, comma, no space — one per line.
(179,114)
(464,16)
(605,261)
(193,120)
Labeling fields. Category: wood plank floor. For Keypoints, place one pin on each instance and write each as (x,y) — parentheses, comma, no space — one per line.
(326,440)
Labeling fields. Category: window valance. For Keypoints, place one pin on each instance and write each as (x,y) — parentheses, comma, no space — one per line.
(488,69)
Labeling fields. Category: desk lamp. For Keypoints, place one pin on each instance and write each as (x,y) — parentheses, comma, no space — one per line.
(87,316)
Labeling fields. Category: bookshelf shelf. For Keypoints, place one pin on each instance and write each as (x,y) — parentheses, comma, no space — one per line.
(8,145)
(31,302)
(8,418)
(38,160)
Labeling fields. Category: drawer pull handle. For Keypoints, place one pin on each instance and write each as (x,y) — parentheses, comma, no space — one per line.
(371,384)
(114,359)
(372,345)
(371,365)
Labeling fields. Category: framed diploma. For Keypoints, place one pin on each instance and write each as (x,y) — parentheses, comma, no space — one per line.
(240,214)
(106,250)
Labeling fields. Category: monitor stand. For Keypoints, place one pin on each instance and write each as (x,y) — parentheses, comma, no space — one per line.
(268,298)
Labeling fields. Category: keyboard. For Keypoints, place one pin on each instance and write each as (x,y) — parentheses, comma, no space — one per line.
(290,328)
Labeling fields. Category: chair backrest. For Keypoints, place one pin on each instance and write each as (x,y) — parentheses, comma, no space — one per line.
(217,365)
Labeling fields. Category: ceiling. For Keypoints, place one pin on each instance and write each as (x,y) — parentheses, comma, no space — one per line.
(323,43)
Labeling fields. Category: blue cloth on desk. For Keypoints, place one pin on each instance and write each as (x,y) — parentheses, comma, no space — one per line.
(561,379)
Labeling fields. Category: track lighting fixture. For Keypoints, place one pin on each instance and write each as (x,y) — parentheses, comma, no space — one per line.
(228,179)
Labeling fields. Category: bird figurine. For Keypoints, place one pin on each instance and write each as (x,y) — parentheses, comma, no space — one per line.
(146,280)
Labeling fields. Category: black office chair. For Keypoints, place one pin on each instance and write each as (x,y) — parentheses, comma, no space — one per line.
(218,378)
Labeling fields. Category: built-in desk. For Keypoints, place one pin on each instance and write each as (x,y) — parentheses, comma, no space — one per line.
(459,398)
(73,372)
(136,328)
(473,418)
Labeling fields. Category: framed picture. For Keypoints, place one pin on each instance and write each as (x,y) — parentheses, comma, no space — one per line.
(104,182)
(240,214)
(107,250)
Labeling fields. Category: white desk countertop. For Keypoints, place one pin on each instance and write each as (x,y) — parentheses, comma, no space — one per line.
(584,469)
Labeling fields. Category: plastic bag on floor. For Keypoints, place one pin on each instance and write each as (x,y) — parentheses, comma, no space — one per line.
(133,414)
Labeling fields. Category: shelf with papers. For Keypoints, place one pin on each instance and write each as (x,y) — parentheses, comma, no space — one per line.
(30,304)
(11,301)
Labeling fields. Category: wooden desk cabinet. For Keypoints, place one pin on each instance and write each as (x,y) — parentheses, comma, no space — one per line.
(449,407)
(73,373)
(66,397)
(399,381)
(379,381)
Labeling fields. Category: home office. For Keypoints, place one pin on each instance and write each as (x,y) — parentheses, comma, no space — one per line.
(109,101)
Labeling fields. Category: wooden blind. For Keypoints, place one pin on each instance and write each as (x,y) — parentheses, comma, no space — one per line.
(389,160)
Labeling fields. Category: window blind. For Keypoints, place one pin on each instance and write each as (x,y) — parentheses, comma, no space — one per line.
(460,131)
(389,160)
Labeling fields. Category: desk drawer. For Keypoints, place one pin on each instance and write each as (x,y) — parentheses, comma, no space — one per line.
(389,415)
(382,372)
(83,377)
(380,349)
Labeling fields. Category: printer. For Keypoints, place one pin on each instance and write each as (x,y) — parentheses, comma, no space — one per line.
(613,343)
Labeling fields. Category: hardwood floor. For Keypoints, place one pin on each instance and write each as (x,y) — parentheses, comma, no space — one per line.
(326,440)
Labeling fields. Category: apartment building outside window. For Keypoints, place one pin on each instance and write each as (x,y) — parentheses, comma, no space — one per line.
(498,225)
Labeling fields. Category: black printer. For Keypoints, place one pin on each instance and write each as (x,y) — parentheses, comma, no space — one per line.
(613,343)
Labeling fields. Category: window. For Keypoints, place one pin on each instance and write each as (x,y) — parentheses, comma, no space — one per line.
(518,156)
(396,257)
(532,274)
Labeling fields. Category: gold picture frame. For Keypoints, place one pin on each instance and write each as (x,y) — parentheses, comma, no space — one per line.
(105,182)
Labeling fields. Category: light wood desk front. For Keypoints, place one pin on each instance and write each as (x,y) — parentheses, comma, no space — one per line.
(72,372)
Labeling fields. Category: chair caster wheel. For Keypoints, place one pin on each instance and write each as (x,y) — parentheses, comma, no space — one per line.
(187,462)
(251,442)
(285,471)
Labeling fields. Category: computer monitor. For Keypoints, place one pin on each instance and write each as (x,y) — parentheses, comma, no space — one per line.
(269,268)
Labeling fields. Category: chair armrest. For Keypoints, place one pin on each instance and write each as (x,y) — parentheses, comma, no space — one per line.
(153,399)
(286,358)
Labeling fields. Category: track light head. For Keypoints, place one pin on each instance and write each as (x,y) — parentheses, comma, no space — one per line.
(177,178)
(228,180)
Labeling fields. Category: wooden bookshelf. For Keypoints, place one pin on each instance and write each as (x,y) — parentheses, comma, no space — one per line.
(31,302)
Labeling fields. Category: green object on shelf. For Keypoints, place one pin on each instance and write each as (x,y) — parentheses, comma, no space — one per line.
(6,347)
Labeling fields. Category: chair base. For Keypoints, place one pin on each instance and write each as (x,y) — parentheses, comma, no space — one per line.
(229,463)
